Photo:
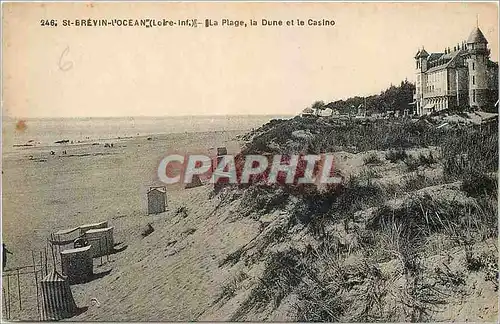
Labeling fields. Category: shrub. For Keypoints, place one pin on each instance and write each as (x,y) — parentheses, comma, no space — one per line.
(476,185)
(418,180)
(396,155)
(372,159)
(426,160)
(470,151)
(411,163)
(281,275)
(423,216)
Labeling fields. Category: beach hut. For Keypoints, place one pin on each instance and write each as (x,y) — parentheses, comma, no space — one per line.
(57,299)
(77,264)
(221,151)
(195,182)
(157,200)
(101,241)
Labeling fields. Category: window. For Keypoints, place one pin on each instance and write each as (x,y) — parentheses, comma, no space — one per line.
(473,66)
(474,80)
(474,95)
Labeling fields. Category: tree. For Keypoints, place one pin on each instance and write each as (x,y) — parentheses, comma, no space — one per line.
(318,106)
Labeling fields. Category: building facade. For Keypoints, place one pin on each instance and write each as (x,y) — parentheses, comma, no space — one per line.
(458,77)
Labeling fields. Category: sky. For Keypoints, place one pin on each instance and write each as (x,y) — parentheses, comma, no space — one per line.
(166,71)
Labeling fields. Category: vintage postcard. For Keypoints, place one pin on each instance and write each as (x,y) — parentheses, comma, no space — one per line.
(250,161)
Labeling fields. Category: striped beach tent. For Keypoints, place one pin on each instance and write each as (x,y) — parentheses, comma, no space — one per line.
(57,299)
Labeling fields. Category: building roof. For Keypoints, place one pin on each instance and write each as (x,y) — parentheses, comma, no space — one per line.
(476,36)
(435,56)
(447,60)
(157,189)
(421,53)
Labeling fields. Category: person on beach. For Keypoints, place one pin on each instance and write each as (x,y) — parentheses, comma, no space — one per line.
(4,255)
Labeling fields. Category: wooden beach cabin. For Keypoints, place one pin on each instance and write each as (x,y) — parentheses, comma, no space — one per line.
(221,151)
(77,264)
(157,200)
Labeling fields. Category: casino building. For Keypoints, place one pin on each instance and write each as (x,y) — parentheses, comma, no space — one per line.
(462,76)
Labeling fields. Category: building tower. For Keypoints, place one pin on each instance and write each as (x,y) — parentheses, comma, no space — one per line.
(477,58)
(421,68)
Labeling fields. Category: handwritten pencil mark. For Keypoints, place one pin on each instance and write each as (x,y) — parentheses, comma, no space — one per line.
(65,65)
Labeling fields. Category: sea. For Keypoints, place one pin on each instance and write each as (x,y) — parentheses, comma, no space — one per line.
(46,131)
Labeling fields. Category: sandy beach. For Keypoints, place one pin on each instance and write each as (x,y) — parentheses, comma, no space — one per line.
(44,193)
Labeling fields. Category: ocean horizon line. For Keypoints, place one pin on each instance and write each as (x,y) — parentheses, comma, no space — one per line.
(145,117)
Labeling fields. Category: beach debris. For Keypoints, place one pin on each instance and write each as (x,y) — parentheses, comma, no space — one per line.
(182,211)
(95,302)
(149,138)
(188,232)
(52,153)
(62,141)
(157,200)
(148,229)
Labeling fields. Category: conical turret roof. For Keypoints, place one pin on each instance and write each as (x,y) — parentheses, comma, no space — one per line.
(422,53)
(476,36)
